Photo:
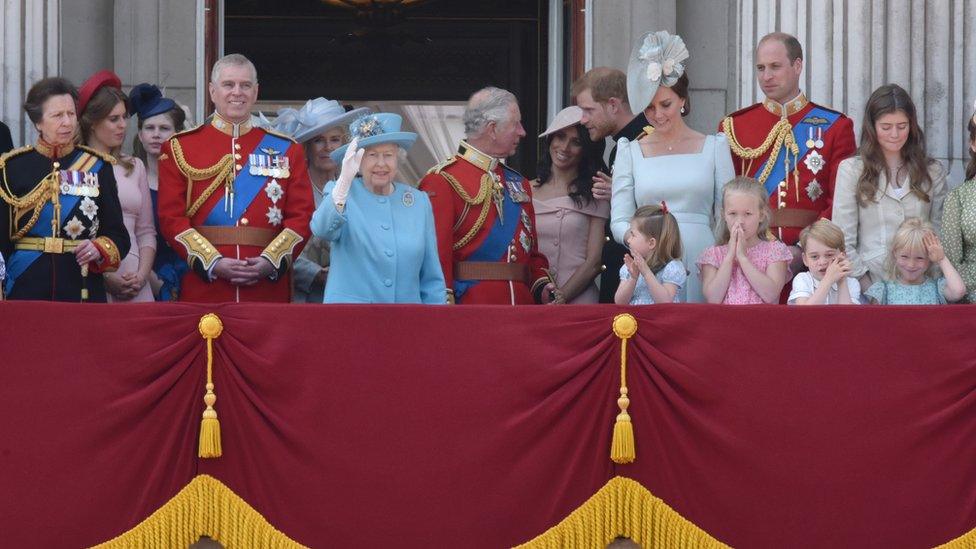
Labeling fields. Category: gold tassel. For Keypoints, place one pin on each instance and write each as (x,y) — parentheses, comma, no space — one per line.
(210,328)
(622,447)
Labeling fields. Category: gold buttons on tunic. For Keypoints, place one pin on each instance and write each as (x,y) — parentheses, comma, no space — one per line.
(244,221)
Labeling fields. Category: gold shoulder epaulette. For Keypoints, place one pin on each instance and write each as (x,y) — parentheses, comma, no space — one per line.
(106,157)
(442,165)
(281,135)
(188,130)
(14,152)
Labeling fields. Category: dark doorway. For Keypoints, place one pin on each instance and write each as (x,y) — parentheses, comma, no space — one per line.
(439,50)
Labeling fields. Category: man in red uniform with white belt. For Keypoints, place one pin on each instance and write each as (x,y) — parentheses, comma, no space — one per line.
(234,200)
(483,213)
(788,143)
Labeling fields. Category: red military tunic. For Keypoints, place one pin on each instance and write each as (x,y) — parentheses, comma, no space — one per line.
(486,258)
(823,138)
(196,169)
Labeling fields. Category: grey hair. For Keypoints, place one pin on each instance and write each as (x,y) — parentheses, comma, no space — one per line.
(487,105)
(232,60)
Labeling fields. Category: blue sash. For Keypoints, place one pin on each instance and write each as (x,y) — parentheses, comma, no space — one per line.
(246,187)
(801,132)
(495,245)
(21,260)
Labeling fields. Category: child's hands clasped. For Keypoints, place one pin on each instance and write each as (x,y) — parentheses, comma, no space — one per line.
(838,270)
(737,241)
(933,247)
(640,264)
(631,265)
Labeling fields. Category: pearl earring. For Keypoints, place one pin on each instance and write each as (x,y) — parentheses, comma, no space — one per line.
(683,109)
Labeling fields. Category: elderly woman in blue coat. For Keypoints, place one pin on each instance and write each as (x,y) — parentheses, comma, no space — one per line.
(384,249)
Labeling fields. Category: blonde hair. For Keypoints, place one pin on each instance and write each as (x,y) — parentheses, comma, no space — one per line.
(745,185)
(910,235)
(825,231)
(656,222)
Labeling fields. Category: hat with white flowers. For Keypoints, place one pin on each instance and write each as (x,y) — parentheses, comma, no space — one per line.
(658,59)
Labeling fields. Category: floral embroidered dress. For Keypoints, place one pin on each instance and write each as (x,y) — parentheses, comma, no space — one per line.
(674,273)
(762,255)
(890,292)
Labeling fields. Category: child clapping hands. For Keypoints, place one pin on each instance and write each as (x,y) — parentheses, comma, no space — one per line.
(827,282)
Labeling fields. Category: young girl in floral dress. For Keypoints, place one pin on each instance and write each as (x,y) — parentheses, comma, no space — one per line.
(914,251)
(747,266)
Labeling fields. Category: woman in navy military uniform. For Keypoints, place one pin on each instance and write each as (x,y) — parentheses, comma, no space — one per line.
(60,220)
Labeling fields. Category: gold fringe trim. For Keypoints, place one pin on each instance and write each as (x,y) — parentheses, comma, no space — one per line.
(624,508)
(622,448)
(965,541)
(205,507)
(210,328)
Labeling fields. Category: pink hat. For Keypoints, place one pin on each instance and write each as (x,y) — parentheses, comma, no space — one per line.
(97,81)
(564,119)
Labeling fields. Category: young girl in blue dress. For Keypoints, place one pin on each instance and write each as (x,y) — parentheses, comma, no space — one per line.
(652,272)
(915,249)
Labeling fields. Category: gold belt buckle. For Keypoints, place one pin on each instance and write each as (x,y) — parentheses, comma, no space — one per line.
(53,245)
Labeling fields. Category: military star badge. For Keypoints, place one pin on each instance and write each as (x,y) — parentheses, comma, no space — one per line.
(814,190)
(274,191)
(89,208)
(274,215)
(815,162)
(74,227)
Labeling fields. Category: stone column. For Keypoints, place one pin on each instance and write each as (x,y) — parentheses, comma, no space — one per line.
(704,26)
(155,41)
(30,40)
(852,47)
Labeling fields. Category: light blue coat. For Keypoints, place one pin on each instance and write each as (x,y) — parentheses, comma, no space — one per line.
(384,249)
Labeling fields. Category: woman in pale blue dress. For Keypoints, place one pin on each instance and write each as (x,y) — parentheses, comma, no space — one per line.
(671,163)
(384,249)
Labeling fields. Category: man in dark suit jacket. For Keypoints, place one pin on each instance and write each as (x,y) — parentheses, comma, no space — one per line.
(602,94)
(6,143)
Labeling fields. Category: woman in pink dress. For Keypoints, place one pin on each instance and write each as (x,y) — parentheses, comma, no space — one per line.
(569,221)
(104,114)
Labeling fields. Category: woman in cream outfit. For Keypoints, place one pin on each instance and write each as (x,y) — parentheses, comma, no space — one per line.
(890,179)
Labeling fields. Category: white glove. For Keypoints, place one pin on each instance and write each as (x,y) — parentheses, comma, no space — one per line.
(350,167)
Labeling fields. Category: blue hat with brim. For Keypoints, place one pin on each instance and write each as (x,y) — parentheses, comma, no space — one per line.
(376,129)
(147,101)
(316,116)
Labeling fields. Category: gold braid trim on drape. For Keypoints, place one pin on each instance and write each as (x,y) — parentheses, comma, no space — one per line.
(965,541)
(205,507)
(624,508)
(222,172)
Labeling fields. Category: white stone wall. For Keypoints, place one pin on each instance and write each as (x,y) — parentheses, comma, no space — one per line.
(851,47)
(155,41)
(30,48)
(704,26)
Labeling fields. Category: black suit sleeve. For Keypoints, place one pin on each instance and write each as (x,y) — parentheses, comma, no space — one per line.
(6,142)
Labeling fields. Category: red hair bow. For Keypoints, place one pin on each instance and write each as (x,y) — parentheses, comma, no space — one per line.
(664,207)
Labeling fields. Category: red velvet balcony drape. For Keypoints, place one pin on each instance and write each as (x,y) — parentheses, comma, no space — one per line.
(408,426)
